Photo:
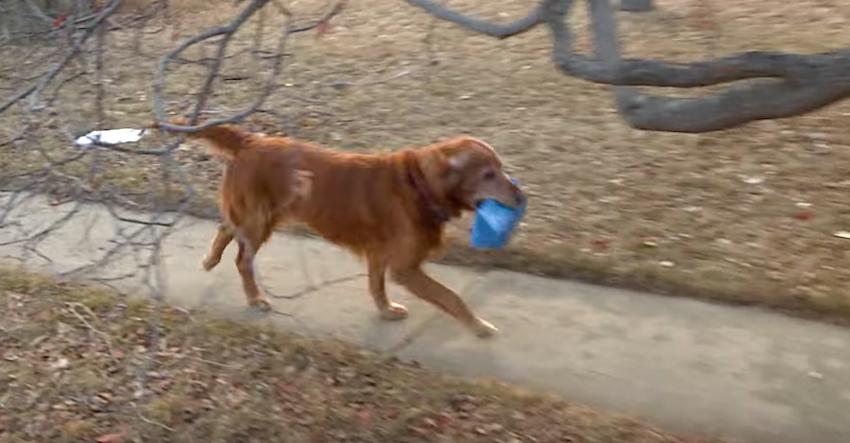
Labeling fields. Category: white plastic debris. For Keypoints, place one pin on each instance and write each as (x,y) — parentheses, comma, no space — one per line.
(62,363)
(756,180)
(110,137)
(816,375)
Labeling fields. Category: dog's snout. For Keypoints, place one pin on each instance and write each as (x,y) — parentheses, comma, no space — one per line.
(518,195)
(520,199)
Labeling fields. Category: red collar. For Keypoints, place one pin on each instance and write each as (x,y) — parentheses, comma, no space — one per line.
(416,179)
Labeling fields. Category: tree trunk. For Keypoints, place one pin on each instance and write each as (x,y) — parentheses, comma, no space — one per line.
(636,5)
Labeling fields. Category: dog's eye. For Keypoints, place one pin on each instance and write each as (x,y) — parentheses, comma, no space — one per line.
(489,175)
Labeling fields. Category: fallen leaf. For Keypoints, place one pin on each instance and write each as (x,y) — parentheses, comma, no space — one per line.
(62,363)
(59,21)
(323,28)
(62,328)
(417,430)
(756,180)
(115,437)
(488,428)
(804,215)
(287,388)
(600,244)
(493,427)
(364,416)
(444,419)
(463,403)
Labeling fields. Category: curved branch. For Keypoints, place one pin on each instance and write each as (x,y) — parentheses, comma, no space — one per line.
(737,105)
(498,30)
(227,31)
(38,12)
(640,72)
(48,76)
(337,7)
(814,81)
(609,68)
(778,84)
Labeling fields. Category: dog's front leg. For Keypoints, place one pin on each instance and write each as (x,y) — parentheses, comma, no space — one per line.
(389,310)
(428,289)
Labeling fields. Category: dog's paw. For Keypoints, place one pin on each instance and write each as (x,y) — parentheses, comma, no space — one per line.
(394,311)
(484,329)
(260,303)
(208,263)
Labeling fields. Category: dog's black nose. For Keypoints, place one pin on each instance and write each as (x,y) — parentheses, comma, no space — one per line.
(520,198)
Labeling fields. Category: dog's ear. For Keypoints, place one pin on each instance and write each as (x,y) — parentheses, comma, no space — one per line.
(465,150)
(453,167)
(458,161)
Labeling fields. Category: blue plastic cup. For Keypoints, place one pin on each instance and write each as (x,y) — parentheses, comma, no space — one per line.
(494,224)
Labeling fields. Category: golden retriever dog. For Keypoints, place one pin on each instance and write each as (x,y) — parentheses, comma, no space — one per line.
(389,208)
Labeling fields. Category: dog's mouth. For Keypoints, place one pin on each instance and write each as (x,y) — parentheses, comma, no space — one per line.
(516,203)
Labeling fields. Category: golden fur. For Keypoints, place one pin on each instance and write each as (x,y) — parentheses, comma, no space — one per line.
(389,208)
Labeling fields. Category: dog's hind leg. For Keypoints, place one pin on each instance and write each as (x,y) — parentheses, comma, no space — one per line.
(377,287)
(249,240)
(223,237)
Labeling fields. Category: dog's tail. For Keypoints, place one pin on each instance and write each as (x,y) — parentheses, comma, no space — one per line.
(223,140)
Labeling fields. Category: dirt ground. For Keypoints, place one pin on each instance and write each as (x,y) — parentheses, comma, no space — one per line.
(752,215)
(79,364)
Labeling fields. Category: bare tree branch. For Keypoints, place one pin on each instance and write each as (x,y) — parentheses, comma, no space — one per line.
(227,32)
(777,84)
(75,50)
(53,176)
(38,12)
(73,309)
(498,30)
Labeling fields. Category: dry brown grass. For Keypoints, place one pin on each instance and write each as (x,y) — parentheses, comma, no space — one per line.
(216,381)
(746,215)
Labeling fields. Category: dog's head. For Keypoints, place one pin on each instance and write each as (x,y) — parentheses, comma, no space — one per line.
(472,172)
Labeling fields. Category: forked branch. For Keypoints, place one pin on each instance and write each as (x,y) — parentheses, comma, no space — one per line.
(772,84)
(225,33)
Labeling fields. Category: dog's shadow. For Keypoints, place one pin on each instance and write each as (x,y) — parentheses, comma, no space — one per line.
(436,339)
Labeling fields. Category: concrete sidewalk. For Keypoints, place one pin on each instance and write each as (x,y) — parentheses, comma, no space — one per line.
(692,367)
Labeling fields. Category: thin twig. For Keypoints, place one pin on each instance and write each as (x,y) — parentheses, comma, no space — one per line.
(106,339)
(57,68)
